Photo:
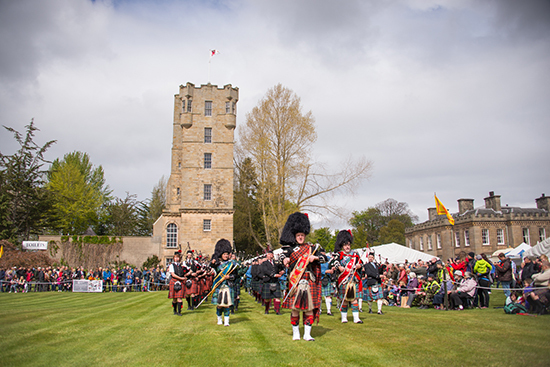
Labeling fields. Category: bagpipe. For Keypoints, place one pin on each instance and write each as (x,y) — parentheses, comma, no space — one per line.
(227,270)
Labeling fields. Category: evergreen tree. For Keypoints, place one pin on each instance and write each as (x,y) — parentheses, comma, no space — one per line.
(24,203)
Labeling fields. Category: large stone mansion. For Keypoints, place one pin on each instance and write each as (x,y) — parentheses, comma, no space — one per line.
(481,230)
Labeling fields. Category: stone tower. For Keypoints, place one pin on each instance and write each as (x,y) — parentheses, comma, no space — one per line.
(199,193)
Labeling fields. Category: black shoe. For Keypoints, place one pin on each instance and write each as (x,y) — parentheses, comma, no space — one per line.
(329,314)
(179,314)
(380,313)
(370,311)
(359,322)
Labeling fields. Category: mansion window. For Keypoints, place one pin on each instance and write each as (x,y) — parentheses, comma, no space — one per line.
(542,234)
(172,235)
(208,108)
(466,238)
(169,260)
(227,107)
(457,239)
(410,244)
(526,236)
(439,240)
(207,160)
(188,105)
(207,225)
(207,192)
(430,247)
(233,107)
(485,237)
(500,236)
(421,243)
(208,135)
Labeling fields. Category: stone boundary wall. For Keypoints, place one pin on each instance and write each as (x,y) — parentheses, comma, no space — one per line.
(133,250)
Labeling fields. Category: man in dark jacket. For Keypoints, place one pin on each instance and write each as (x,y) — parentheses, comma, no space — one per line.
(504,273)
(269,273)
(528,269)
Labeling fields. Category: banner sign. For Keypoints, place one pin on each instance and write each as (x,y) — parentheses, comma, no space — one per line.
(88,286)
(35,245)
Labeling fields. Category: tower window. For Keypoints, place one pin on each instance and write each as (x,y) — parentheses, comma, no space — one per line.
(207,160)
(208,108)
(189,105)
(207,192)
(457,239)
(233,107)
(466,238)
(227,107)
(172,235)
(208,135)
(207,225)
(438,240)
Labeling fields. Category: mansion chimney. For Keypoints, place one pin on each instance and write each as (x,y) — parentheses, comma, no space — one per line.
(432,213)
(493,202)
(464,205)
(543,202)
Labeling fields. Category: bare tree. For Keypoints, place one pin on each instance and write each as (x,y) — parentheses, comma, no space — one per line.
(279,137)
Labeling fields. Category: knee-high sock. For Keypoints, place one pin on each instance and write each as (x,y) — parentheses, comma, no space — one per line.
(308,320)
(354,307)
(218,311)
(328,302)
(370,305)
(295,320)
(226,311)
(179,306)
(277,305)
(267,304)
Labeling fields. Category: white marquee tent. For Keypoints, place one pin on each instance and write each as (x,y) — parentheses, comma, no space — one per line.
(542,248)
(518,251)
(395,254)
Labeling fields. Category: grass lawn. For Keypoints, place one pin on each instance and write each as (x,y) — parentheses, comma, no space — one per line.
(139,329)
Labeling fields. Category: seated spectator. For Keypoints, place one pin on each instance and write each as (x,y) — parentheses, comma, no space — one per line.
(465,290)
(540,298)
(429,289)
(439,297)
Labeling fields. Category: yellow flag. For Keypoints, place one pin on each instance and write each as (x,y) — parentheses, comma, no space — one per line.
(1,251)
(442,210)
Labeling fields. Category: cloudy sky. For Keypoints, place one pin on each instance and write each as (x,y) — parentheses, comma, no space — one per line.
(443,96)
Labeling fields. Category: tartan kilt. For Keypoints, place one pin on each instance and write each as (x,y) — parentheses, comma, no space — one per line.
(314,288)
(267,293)
(217,291)
(237,289)
(256,286)
(369,296)
(327,290)
(194,288)
(172,293)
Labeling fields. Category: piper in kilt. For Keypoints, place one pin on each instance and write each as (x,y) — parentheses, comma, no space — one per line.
(223,295)
(177,280)
(306,295)
(372,290)
(270,273)
(327,283)
(255,283)
(191,285)
(349,265)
